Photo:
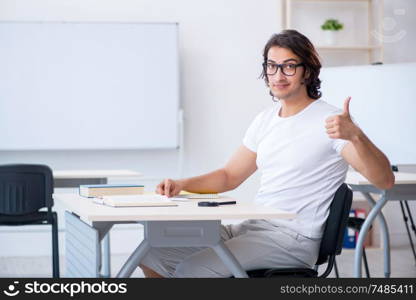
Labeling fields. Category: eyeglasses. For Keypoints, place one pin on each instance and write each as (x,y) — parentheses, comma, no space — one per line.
(288,69)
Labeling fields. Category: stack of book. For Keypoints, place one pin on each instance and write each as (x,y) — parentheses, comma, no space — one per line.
(100,190)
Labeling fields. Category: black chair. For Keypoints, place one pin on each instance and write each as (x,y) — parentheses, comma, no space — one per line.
(331,244)
(25,189)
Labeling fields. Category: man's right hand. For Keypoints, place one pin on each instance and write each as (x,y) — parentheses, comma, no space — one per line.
(169,187)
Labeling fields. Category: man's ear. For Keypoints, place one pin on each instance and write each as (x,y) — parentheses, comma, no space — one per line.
(305,76)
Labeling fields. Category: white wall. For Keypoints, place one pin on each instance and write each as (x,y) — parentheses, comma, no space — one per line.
(220,45)
(399,33)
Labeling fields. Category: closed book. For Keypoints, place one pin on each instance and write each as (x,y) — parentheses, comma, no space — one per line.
(99,190)
(136,200)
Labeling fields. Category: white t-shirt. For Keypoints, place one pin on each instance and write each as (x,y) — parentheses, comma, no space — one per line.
(301,165)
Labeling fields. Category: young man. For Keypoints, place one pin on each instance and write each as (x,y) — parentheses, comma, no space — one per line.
(303,147)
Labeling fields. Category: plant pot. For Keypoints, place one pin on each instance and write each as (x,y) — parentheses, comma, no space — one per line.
(331,37)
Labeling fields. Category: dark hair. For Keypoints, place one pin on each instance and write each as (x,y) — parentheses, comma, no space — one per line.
(302,47)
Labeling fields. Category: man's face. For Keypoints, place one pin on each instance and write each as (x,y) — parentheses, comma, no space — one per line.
(283,86)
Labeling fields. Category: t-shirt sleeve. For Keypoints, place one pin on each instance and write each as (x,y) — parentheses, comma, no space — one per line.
(250,139)
(338,145)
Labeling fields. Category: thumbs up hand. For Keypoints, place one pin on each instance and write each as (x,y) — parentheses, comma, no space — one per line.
(341,126)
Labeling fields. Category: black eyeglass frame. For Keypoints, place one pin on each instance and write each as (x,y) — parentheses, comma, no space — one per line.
(281,67)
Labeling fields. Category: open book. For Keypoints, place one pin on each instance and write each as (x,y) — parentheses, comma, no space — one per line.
(135,200)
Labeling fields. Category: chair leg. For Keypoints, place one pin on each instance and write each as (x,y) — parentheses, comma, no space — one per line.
(412,223)
(367,272)
(55,247)
(336,269)
(410,216)
(407,228)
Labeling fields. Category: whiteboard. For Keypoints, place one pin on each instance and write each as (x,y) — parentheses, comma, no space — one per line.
(383,104)
(88,85)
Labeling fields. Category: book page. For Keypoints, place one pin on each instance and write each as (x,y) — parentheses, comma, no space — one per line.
(138,200)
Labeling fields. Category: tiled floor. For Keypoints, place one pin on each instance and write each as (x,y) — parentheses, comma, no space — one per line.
(403,264)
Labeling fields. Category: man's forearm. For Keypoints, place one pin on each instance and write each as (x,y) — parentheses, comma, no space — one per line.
(213,182)
(376,166)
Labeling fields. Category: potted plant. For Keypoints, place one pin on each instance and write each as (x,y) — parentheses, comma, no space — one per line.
(331,27)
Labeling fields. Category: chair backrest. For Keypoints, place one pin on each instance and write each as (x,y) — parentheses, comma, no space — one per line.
(25,188)
(336,223)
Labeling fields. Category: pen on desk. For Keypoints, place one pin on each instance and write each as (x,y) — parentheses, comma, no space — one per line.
(214,203)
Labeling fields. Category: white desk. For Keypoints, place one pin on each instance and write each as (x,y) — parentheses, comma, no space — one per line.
(184,225)
(404,189)
(75,178)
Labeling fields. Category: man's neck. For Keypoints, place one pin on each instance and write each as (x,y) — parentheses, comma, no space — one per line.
(292,106)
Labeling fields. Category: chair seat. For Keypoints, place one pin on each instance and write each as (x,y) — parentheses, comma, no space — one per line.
(40,217)
(289,272)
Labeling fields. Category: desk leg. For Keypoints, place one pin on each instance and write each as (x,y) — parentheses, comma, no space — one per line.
(375,211)
(134,260)
(106,261)
(229,260)
(103,229)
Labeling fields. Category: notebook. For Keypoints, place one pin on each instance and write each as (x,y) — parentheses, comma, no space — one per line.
(135,200)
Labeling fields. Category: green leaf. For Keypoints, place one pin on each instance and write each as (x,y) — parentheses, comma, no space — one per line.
(332,24)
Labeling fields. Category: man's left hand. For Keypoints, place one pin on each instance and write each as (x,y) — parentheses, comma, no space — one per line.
(341,126)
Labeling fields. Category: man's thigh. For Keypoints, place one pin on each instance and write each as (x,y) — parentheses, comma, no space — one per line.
(253,250)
